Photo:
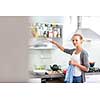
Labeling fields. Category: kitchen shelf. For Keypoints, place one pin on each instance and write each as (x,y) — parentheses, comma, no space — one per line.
(41,48)
(46,30)
(42,31)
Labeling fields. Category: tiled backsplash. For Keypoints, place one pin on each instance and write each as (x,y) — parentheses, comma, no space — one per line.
(47,57)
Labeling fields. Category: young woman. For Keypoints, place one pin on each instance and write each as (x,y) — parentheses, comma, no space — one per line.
(79,58)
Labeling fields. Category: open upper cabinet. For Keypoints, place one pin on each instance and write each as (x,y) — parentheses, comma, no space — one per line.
(43,27)
(43,30)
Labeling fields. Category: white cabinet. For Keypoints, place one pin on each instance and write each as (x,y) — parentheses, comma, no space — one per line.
(41,31)
(46,30)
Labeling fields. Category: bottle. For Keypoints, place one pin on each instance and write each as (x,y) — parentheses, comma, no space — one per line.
(58,34)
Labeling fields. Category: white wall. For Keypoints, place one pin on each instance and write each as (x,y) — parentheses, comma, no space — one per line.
(93,49)
(92,22)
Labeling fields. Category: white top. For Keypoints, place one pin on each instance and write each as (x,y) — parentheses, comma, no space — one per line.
(76,57)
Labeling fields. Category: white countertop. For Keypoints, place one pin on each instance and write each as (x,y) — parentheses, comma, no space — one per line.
(92,79)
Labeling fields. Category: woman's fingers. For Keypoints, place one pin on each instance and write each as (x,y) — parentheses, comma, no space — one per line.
(72,62)
(49,39)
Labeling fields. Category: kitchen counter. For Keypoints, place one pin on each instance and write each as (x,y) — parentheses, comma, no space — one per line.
(92,73)
(51,77)
(91,77)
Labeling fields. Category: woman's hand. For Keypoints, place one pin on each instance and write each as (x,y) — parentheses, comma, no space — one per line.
(52,41)
(55,43)
(74,63)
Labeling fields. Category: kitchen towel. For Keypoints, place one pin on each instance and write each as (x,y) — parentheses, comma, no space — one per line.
(69,74)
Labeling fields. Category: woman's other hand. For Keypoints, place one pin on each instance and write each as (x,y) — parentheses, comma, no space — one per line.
(72,62)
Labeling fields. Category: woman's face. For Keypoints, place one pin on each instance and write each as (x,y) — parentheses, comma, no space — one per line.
(76,41)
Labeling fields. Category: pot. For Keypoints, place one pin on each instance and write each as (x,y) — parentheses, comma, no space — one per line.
(92,64)
(55,67)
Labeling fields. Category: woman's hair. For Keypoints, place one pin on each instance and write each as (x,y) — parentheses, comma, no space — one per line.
(78,34)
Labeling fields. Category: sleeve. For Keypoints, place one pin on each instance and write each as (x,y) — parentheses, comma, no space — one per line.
(85,61)
(69,51)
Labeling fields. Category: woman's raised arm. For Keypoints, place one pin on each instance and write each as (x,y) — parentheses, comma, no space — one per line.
(57,44)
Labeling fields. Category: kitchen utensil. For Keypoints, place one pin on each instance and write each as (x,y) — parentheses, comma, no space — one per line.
(92,64)
(55,67)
